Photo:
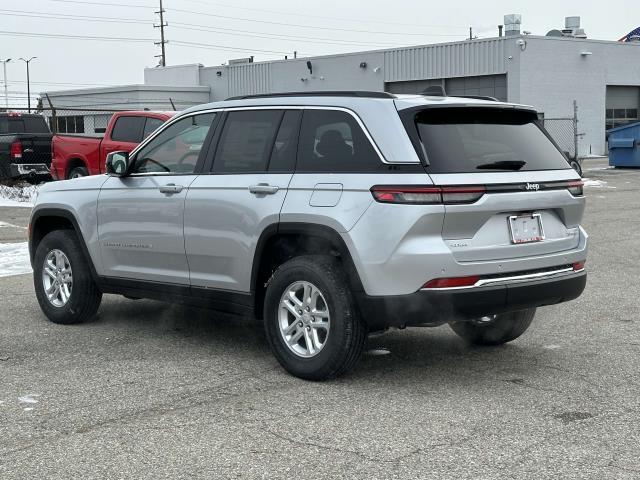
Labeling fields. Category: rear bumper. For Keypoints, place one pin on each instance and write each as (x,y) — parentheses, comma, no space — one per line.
(437,307)
(29,170)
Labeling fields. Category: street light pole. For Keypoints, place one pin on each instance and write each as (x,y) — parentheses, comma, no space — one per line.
(28,84)
(6,92)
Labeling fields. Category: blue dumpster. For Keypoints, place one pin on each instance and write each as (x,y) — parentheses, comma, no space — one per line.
(624,146)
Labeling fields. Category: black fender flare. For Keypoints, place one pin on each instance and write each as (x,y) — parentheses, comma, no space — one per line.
(70,217)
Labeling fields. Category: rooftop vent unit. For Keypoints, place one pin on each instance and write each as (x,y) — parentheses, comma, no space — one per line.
(241,61)
(571,29)
(512,24)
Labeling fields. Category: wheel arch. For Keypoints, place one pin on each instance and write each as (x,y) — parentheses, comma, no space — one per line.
(281,242)
(46,220)
(75,161)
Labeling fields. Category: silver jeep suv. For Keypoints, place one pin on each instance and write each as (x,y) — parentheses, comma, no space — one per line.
(329,215)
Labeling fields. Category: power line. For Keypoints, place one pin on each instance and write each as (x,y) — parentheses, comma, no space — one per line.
(65,83)
(62,16)
(371,32)
(326,17)
(197,27)
(221,47)
(137,40)
(76,37)
(246,33)
(106,4)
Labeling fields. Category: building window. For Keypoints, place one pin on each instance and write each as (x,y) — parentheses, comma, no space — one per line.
(70,124)
(617,117)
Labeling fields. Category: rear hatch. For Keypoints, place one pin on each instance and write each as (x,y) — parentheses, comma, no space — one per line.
(511,192)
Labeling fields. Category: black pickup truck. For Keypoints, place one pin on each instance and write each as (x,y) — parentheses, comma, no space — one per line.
(25,146)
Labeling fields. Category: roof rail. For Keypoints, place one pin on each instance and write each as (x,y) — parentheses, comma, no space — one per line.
(326,93)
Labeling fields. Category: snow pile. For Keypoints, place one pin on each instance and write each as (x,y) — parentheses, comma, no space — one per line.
(14,259)
(595,183)
(21,195)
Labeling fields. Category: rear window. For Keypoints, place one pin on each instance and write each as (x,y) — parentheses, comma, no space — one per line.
(23,125)
(464,140)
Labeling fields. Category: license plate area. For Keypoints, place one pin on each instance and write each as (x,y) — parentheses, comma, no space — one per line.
(526,228)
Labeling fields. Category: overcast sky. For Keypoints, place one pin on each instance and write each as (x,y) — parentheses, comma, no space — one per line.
(211,32)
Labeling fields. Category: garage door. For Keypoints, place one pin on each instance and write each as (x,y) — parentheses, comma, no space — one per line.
(622,105)
(485,85)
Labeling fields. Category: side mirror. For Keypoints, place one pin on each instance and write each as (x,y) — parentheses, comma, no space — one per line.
(117,163)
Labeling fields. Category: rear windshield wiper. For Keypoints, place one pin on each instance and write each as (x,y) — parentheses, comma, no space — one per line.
(503,165)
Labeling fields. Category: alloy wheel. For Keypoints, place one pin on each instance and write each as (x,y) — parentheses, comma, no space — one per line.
(304,319)
(57,278)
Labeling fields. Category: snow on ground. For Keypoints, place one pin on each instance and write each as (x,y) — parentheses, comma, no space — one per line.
(14,259)
(588,182)
(21,195)
(11,225)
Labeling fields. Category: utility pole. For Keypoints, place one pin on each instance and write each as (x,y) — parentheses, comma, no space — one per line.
(28,82)
(6,92)
(162,56)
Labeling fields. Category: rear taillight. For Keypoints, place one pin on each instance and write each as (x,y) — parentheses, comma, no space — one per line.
(15,151)
(577,266)
(576,188)
(427,195)
(452,282)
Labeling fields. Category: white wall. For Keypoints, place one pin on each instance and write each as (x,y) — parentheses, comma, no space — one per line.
(175,76)
(551,72)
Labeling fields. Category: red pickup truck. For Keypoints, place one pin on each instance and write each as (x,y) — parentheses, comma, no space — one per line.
(81,155)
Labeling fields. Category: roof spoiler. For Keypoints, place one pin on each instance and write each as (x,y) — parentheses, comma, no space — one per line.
(439,91)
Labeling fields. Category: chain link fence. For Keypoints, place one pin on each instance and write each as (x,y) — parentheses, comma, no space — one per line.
(82,121)
(87,121)
(562,130)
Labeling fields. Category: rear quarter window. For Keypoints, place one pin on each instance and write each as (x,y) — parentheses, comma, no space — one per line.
(128,129)
(465,140)
(332,141)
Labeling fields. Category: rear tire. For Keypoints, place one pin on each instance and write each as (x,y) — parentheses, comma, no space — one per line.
(576,166)
(78,172)
(336,332)
(503,328)
(59,264)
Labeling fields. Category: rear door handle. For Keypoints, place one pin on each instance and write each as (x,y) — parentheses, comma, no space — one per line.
(171,188)
(263,188)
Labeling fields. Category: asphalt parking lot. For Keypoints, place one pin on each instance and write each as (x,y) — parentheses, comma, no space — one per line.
(150,390)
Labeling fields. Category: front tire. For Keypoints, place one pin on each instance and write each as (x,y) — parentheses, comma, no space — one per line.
(62,279)
(494,330)
(310,320)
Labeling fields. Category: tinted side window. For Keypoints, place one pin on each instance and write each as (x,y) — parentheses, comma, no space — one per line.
(128,129)
(285,147)
(176,148)
(332,141)
(151,125)
(246,141)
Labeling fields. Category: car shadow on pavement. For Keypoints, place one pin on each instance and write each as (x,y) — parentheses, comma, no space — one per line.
(423,354)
